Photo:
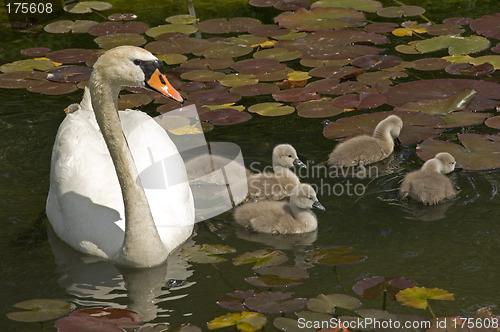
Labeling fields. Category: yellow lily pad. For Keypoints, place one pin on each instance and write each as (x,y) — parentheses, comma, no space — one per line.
(417,297)
(244,321)
(271,109)
(491,59)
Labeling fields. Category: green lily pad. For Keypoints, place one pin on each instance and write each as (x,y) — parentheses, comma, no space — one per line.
(409,48)
(479,152)
(110,41)
(178,45)
(463,119)
(454,44)
(244,321)
(259,258)
(291,35)
(84,7)
(181,19)
(237,79)
(202,75)
(167,28)
(27,65)
(380,77)
(371,288)
(467,69)
(417,297)
(278,276)
(320,19)
(494,60)
(225,49)
(271,109)
(206,253)
(39,310)
(274,302)
(322,108)
(370,6)
(333,256)
(430,64)
(65,26)
(278,75)
(493,122)
(133,100)
(221,25)
(278,54)
(257,66)
(328,303)
(172,59)
(400,11)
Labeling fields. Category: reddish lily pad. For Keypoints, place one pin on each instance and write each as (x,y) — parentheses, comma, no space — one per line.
(380,77)
(268,30)
(257,66)
(119,39)
(84,7)
(274,302)
(321,108)
(468,69)
(133,100)
(213,97)
(69,74)
(463,119)
(225,116)
(234,300)
(21,79)
(237,24)
(400,11)
(244,321)
(320,19)
(278,54)
(479,152)
(110,28)
(430,64)
(278,276)
(382,27)
(213,64)
(458,20)
(360,101)
(255,89)
(336,72)
(39,310)
(71,55)
(364,5)
(53,88)
(271,109)
(292,4)
(122,17)
(444,29)
(35,51)
(328,303)
(493,122)
(102,319)
(296,95)
(487,26)
(262,257)
(178,45)
(333,256)
(206,253)
(417,126)
(376,61)
(371,288)
(417,297)
(275,75)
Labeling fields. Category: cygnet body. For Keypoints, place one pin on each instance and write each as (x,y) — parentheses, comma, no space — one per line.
(279,217)
(280,183)
(429,185)
(365,149)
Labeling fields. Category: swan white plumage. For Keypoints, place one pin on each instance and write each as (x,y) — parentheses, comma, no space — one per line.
(118,186)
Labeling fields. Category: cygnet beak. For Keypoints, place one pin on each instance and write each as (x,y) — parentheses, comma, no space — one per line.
(458,167)
(318,206)
(298,163)
(159,83)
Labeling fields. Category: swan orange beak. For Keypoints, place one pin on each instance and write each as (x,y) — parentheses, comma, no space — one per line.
(160,84)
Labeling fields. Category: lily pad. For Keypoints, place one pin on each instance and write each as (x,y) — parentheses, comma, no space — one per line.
(380,27)
(65,26)
(291,35)
(21,79)
(133,100)
(296,95)
(322,108)
(292,4)
(84,7)
(380,77)
(213,97)
(458,20)
(53,88)
(213,64)
(178,45)
(290,325)
(122,17)
(262,257)
(487,26)
(271,109)
(119,39)
(255,89)
(494,60)
(202,75)
(39,310)
(224,116)
(69,74)
(244,321)
(493,122)
(333,256)
(400,11)
(102,319)
(275,75)
(42,64)
(336,72)
(328,303)
(225,49)
(278,54)
(370,6)
(428,64)
(467,69)
(463,119)
(257,66)
(221,25)
(479,152)
(35,51)
(172,59)
(274,302)
(234,300)
(320,19)
(237,79)
(71,55)
(417,126)
(359,101)
(111,28)
(417,297)
(206,253)
(444,29)
(371,288)
(268,30)
(454,44)
(166,28)
(376,61)
(181,19)
(278,276)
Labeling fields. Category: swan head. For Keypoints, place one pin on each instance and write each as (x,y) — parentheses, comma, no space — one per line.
(304,197)
(392,125)
(285,155)
(135,67)
(446,162)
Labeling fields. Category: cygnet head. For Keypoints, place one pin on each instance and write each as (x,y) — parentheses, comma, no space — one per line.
(132,66)
(392,124)
(304,197)
(285,155)
(446,161)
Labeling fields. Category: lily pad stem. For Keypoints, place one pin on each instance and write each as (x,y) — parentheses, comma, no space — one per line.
(430,310)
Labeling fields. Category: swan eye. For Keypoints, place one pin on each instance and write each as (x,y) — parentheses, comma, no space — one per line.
(137,62)
(290,156)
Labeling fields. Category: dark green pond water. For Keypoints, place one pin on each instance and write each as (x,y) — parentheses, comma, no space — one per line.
(452,246)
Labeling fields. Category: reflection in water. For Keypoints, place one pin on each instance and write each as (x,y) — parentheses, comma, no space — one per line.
(95,282)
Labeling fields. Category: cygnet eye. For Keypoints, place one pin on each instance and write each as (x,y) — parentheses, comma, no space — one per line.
(137,62)
(290,156)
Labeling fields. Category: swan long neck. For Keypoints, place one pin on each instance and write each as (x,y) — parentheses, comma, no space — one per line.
(382,131)
(142,245)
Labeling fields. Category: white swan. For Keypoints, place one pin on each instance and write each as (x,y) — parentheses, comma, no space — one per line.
(118,186)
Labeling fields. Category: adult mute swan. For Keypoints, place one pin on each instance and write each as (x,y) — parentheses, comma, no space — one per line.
(118,186)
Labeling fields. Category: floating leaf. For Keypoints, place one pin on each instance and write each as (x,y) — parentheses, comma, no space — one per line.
(267,30)
(42,64)
(168,28)
(244,321)
(21,79)
(53,88)
(292,4)
(178,45)
(274,302)
(290,325)
(298,76)
(71,55)
(278,276)
(371,288)
(444,29)
(291,35)
(454,44)
(364,5)
(494,60)
(172,59)
(133,100)
(213,64)
(225,49)
(407,32)
(221,25)
(400,11)
(467,69)
(487,26)
(274,76)
(376,61)
(380,77)
(479,152)
(206,253)
(234,300)
(257,66)
(409,48)
(328,303)
(255,89)
(417,297)
(336,72)
(69,74)
(360,101)
(102,319)
(493,122)
(278,54)
(237,79)
(463,119)
(35,51)
(296,95)
(39,310)
(202,75)
(333,256)
(430,64)
(65,26)
(111,41)
(84,7)
(224,116)
(458,58)
(322,108)
(111,28)
(271,109)
(262,257)
(319,19)
(181,19)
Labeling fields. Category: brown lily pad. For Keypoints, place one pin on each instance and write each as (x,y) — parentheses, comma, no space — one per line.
(221,25)
(320,19)
(257,66)
(178,45)
(376,61)
(213,97)
(35,51)
(322,108)
(224,116)
(119,39)
(278,276)
(110,28)
(400,11)
(493,122)
(122,17)
(69,74)
(296,95)
(53,88)
(468,69)
(360,101)
(274,302)
(202,75)
(71,55)
(487,26)
(428,64)
(255,89)
(21,79)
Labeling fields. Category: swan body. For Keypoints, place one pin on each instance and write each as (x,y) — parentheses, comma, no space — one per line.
(429,185)
(280,183)
(279,217)
(365,149)
(118,186)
